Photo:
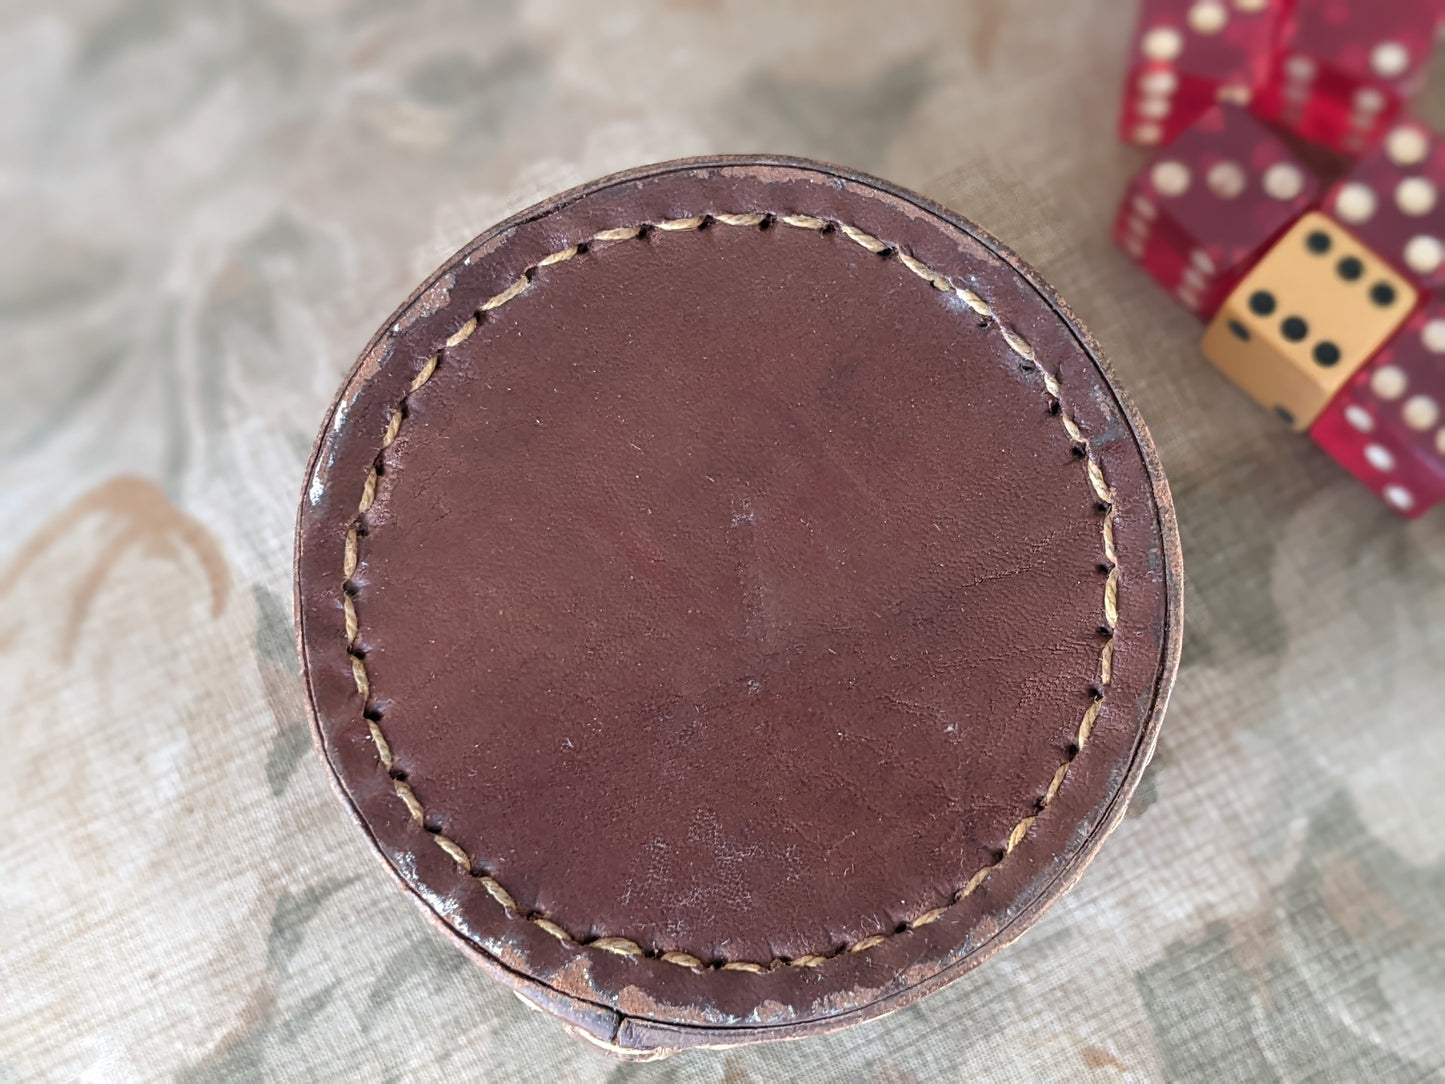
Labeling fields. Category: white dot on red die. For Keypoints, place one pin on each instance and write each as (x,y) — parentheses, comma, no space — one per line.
(1379,457)
(1420,412)
(1201,259)
(1424,254)
(1251,7)
(1299,69)
(1147,134)
(1154,108)
(1400,497)
(1171,178)
(1226,179)
(1359,418)
(1432,336)
(1389,59)
(1440,442)
(1162,43)
(1389,382)
(1234,94)
(1369,101)
(1355,202)
(1160,83)
(1283,181)
(1406,145)
(1144,208)
(1208,17)
(1415,196)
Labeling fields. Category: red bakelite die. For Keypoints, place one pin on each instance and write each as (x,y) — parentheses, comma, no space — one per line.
(1392,201)
(1206,208)
(1387,426)
(1343,69)
(1188,54)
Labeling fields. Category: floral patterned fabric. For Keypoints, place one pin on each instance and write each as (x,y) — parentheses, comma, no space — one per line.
(209,205)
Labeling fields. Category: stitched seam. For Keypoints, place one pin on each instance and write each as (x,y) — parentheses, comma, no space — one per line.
(622,946)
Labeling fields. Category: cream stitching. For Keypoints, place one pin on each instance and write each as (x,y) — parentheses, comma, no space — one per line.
(622,946)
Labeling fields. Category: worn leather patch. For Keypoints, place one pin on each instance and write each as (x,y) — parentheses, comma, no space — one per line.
(735,600)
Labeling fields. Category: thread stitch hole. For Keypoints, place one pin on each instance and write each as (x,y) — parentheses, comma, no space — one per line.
(1054,408)
(583,248)
(371,715)
(765,222)
(1077,451)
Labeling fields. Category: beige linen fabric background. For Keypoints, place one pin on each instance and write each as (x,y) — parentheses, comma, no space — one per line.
(209,205)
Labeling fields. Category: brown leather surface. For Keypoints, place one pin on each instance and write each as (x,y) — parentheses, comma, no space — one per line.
(733,591)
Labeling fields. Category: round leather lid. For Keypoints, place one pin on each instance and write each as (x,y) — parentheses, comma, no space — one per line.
(735,600)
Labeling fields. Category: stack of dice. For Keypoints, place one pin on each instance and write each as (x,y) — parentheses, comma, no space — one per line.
(1325,302)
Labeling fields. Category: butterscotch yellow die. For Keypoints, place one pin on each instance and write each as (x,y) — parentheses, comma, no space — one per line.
(1310,313)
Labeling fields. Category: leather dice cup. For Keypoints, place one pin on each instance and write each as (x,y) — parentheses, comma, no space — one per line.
(735,600)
